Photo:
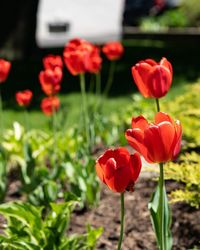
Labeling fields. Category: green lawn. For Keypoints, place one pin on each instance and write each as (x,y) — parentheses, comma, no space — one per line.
(70,110)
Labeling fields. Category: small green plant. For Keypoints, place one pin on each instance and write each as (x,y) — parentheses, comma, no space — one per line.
(82,179)
(33,228)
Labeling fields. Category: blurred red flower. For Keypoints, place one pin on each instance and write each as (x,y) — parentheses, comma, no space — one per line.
(153,79)
(157,142)
(113,50)
(80,56)
(50,80)
(4,69)
(118,169)
(52,61)
(94,65)
(24,98)
(50,104)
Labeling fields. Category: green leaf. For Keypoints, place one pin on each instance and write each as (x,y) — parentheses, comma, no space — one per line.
(26,214)
(154,207)
(3,176)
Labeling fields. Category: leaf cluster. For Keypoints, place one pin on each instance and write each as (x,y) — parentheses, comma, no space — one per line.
(33,228)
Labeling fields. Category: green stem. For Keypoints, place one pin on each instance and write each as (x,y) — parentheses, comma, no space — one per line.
(98,89)
(122,223)
(161,202)
(1,115)
(110,78)
(92,83)
(54,135)
(85,110)
(157,105)
(161,198)
(26,119)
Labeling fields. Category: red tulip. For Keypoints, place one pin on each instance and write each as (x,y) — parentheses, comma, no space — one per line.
(113,50)
(94,65)
(157,142)
(52,61)
(49,105)
(4,70)
(153,79)
(118,169)
(50,80)
(23,98)
(80,56)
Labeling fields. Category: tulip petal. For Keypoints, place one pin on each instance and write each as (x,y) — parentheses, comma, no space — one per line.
(120,180)
(150,62)
(122,157)
(177,146)
(139,122)
(153,143)
(168,135)
(140,73)
(110,168)
(162,117)
(135,166)
(159,81)
(167,64)
(99,171)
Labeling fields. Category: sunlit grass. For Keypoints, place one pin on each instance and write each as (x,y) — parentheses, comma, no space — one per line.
(70,111)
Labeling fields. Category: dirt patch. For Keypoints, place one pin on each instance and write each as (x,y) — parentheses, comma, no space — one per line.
(138,229)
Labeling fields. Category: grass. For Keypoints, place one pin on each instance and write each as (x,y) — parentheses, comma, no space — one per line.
(69,114)
(70,110)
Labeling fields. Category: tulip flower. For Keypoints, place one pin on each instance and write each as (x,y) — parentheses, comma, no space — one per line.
(113,50)
(23,98)
(158,142)
(153,79)
(118,169)
(52,61)
(49,105)
(94,64)
(78,56)
(4,70)
(50,80)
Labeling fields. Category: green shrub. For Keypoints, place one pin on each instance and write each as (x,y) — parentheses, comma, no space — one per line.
(187,173)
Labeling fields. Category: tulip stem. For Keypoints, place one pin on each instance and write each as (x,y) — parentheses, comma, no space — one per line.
(54,128)
(161,202)
(157,105)
(98,83)
(161,198)
(110,78)
(1,115)
(26,119)
(85,110)
(122,223)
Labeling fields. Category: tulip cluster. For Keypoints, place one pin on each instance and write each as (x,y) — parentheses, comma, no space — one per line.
(50,79)
(80,56)
(157,142)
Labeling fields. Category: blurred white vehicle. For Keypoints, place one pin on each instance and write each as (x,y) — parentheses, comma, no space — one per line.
(59,21)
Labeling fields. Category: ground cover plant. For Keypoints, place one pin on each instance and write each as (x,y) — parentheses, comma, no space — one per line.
(53,170)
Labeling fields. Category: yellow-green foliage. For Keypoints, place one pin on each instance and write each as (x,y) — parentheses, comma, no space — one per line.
(186,108)
(186,172)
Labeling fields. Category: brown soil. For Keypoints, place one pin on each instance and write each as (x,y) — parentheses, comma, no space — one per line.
(138,229)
